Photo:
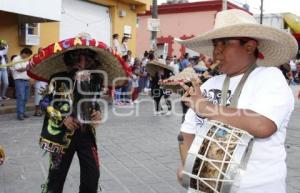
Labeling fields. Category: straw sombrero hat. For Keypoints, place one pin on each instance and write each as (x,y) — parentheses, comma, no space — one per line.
(50,60)
(275,46)
(185,76)
(154,66)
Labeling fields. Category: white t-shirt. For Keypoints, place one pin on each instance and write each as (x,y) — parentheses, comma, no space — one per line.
(117,46)
(16,74)
(267,93)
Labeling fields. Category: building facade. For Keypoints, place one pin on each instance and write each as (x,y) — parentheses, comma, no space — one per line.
(36,23)
(18,23)
(102,18)
(184,20)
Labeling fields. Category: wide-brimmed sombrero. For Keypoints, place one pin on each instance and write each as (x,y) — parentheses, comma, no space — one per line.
(49,60)
(185,76)
(154,66)
(275,46)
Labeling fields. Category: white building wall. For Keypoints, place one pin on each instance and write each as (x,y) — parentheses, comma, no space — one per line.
(272,20)
(85,17)
(47,9)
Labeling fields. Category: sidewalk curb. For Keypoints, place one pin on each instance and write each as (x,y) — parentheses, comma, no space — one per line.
(12,108)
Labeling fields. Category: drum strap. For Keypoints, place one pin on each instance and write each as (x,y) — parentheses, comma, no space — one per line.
(234,102)
(238,90)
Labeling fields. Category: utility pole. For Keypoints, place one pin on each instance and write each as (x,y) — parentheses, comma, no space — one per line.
(224,4)
(261,11)
(155,16)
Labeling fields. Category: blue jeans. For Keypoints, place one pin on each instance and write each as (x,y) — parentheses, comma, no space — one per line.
(126,92)
(118,92)
(22,95)
(3,81)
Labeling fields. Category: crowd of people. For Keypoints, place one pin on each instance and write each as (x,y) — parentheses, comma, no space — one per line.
(140,81)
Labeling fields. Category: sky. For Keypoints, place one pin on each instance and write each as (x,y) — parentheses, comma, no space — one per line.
(270,6)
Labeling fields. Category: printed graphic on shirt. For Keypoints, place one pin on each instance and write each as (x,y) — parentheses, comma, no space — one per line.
(215,95)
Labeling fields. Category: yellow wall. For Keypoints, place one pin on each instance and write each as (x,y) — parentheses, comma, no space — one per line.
(9,32)
(49,32)
(130,19)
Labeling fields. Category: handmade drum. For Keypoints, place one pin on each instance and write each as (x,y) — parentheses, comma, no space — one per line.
(216,158)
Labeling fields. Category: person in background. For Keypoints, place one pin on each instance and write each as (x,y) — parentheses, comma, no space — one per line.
(124,46)
(144,75)
(174,64)
(116,44)
(294,70)
(38,87)
(184,62)
(3,70)
(130,58)
(22,84)
(136,74)
(126,89)
(286,71)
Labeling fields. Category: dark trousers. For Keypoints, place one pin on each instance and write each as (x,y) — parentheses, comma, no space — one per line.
(84,144)
(157,94)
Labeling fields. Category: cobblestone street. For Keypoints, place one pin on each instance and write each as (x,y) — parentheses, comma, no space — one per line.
(138,153)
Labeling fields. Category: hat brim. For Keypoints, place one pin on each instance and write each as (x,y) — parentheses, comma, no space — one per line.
(153,67)
(185,76)
(277,46)
(49,60)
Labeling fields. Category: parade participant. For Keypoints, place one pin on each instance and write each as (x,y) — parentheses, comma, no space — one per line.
(157,92)
(72,108)
(245,48)
(159,72)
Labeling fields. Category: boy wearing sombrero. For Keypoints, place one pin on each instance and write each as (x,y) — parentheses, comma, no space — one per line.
(76,69)
(248,53)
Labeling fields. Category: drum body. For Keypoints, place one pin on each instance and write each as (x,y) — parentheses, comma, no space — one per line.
(216,158)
